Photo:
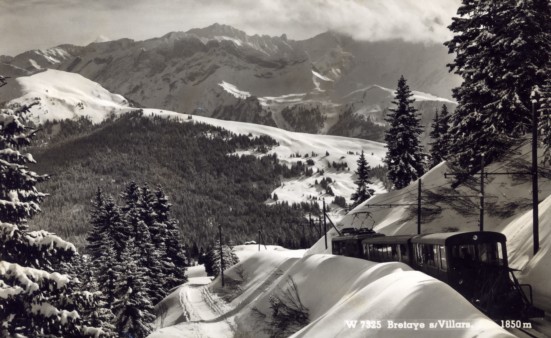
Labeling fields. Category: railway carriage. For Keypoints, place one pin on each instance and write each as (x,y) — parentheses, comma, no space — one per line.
(473,263)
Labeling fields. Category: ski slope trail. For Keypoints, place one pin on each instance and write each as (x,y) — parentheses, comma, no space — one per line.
(201,311)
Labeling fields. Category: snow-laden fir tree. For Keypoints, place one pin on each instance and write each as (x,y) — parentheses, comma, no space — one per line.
(35,301)
(175,259)
(404,158)
(363,191)
(106,220)
(440,137)
(101,315)
(150,258)
(502,52)
(213,261)
(104,269)
(133,308)
(100,225)
(130,197)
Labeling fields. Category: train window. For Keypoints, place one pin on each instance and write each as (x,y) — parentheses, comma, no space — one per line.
(443,259)
(336,248)
(403,253)
(419,257)
(489,253)
(463,254)
(430,253)
(386,252)
(500,254)
(371,252)
(394,249)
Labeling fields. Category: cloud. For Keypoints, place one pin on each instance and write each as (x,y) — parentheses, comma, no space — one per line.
(28,24)
(367,20)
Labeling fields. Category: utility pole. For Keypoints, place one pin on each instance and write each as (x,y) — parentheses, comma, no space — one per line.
(482,192)
(258,239)
(419,206)
(535,197)
(221,254)
(324,224)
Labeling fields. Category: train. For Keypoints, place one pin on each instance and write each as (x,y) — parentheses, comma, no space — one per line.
(473,263)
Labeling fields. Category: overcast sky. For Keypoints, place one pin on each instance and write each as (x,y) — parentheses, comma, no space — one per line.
(31,24)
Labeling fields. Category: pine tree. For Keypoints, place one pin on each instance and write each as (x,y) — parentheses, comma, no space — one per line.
(150,258)
(440,137)
(35,300)
(404,158)
(175,259)
(100,314)
(363,191)
(99,226)
(133,309)
(158,262)
(130,197)
(107,221)
(105,272)
(501,52)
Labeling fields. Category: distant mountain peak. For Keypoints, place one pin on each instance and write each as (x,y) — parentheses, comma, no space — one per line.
(102,38)
(216,30)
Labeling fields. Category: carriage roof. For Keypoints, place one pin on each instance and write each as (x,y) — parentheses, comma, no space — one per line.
(390,239)
(453,238)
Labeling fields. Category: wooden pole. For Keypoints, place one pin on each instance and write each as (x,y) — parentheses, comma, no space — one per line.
(482,192)
(419,207)
(535,197)
(221,253)
(324,224)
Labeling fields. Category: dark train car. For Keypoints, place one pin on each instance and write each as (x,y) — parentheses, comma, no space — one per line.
(473,263)
(350,242)
(388,249)
(461,259)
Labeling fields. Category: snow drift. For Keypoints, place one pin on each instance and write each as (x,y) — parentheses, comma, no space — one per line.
(341,295)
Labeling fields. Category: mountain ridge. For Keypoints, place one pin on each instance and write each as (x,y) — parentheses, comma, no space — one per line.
(182,71)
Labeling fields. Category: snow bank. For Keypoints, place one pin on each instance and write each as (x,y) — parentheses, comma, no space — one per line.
(342,296)
(245,251)
(536,270)
(341,292)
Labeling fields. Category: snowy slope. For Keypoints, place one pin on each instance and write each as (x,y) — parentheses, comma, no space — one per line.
(340,149)
(63,95)
(507,198)
(336,291)
(536,269)
(508,210)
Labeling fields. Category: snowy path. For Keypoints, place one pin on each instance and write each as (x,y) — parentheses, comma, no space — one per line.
(204,316)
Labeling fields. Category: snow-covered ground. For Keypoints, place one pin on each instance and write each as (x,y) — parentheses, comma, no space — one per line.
(347,297)
(343,297)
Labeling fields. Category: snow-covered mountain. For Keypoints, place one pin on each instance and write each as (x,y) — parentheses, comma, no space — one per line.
(201,70)
(62,95)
